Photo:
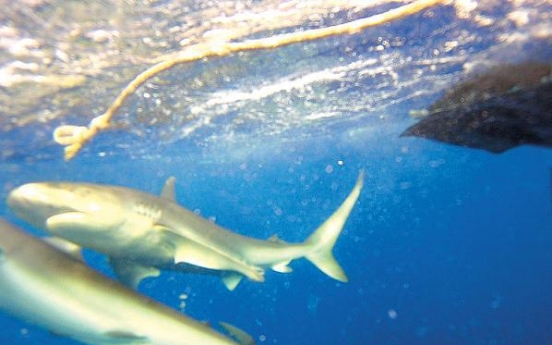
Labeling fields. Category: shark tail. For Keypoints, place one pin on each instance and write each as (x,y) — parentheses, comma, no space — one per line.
(323,239)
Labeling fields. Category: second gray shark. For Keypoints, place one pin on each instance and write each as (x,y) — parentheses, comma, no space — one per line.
(51,289)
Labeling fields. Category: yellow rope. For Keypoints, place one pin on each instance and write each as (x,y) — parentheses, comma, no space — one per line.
(74,137)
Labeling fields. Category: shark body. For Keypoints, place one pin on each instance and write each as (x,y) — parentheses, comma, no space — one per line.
(143,233)
(52,289)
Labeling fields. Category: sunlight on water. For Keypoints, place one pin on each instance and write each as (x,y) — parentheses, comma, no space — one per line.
(74,70)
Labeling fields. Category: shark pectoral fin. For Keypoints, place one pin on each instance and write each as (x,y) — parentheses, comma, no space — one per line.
(282,267)
(65,246)
(240,335)
(195,254)
(231,280)
(76,221)
(130,273)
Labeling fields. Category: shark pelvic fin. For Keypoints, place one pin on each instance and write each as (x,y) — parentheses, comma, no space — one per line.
(130,273)
(231,280)
(168,189)
(280,267)
(324,238)
(240,335)
(195,254)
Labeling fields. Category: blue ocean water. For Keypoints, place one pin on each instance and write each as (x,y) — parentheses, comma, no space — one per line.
(446,245)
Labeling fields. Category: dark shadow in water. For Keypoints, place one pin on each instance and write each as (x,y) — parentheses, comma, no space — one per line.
(508,106)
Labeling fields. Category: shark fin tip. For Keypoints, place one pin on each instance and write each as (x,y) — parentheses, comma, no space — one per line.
(168,189)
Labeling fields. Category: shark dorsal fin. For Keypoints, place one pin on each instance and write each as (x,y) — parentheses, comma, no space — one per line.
(275,239)
(168,189)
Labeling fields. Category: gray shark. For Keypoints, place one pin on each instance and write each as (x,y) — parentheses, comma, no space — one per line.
(142,233)
(49,288)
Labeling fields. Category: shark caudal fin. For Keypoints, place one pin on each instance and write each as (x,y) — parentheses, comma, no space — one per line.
(324,238)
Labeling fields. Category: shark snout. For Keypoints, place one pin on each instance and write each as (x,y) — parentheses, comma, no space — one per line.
(28,195)
(35,202)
